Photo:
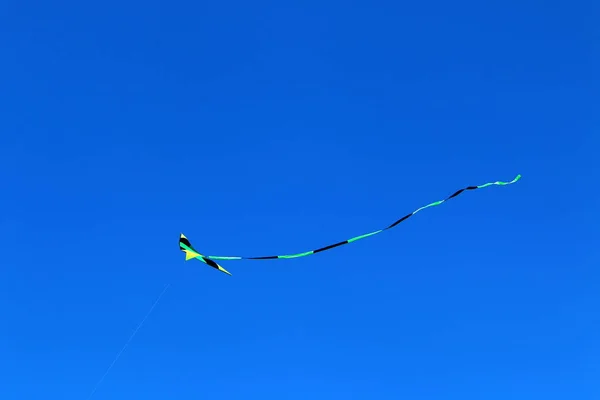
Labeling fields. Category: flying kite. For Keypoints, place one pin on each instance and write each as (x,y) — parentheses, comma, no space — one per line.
(191,252)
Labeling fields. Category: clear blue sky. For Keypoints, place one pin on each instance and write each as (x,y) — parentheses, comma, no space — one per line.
(267,127)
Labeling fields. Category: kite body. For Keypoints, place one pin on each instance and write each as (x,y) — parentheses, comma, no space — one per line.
(190,252)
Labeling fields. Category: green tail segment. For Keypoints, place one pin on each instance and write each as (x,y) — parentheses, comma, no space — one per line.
(186,247)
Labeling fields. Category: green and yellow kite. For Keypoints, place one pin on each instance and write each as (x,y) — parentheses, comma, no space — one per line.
(190,252)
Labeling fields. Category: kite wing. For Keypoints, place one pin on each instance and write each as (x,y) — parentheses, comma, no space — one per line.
(186,247)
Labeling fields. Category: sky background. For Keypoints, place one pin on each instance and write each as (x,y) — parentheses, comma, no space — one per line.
(274,127)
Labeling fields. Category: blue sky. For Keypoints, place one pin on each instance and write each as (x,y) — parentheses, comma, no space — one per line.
(275,127)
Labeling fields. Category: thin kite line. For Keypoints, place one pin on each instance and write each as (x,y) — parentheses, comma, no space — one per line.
(128,341)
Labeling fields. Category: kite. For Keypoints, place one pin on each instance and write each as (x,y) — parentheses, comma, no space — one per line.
(191,252)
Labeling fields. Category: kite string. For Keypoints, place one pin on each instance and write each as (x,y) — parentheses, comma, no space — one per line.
(128,341)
